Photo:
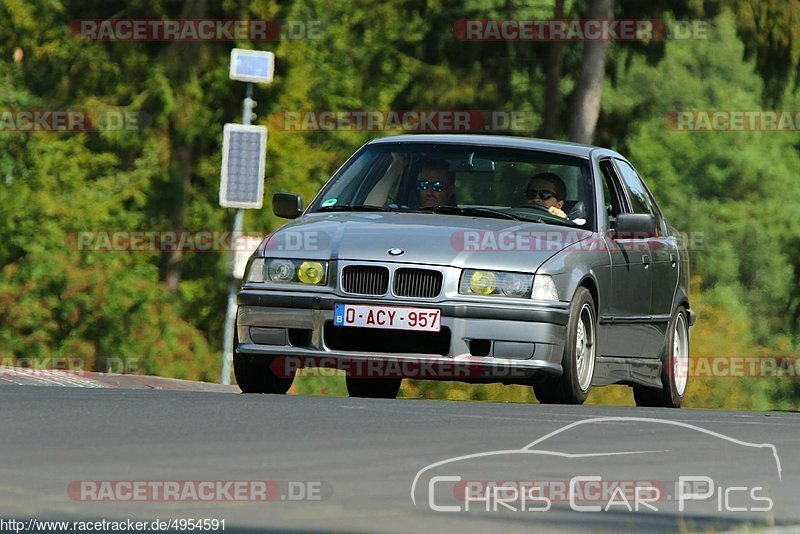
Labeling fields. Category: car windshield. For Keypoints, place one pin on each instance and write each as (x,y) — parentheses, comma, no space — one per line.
(463,180)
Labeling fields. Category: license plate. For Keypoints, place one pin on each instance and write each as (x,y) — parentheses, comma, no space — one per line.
(391,317)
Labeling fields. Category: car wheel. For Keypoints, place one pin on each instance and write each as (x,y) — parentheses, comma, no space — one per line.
(254,373)
(674,367)
(373,388)
(580,350)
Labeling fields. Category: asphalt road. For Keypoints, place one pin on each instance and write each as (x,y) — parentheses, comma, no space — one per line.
(358,459)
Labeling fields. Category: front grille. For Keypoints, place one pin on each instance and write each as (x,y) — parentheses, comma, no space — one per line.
(420,283)
(365,280)
(372,340)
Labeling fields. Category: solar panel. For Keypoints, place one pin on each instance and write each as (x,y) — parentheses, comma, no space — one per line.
(244,150)
(251,66)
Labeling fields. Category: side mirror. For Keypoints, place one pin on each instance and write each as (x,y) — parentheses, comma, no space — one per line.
(287,205)
(635,226)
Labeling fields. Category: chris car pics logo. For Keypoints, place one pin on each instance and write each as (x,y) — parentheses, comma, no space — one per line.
(596,481)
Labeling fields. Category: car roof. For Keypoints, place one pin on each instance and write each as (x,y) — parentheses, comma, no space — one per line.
(504,141)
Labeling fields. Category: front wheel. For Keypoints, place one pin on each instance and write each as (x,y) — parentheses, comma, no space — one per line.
(674,367)
(373,388)
(254,373)
(574,384)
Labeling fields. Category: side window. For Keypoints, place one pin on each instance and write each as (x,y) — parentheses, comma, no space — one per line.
(640,198)
(612,192)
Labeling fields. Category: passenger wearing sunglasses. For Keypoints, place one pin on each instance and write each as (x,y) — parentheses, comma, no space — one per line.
(547,189)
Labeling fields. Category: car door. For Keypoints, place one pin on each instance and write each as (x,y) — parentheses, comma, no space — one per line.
(624,329)
(661,263)
(663,248)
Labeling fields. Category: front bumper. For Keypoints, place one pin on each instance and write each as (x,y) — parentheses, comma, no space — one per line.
(486,342)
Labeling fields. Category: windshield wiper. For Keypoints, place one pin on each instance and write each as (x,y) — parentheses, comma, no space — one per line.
(348,207)
(478,212)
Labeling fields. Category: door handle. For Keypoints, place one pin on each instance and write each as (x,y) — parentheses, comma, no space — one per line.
(646,260)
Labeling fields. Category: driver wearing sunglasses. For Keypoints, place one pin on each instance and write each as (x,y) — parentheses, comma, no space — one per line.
(547,189)
(436,184)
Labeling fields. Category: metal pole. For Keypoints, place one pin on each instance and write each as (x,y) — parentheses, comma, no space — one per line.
(247,105)
(230,314)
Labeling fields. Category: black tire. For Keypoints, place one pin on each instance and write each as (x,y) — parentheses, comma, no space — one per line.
(575,383)
(254,373)
(674,367)
(373,388)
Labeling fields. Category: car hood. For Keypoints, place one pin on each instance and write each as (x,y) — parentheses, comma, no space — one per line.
(431,239)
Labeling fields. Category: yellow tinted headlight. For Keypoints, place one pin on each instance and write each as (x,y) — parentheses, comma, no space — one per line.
(495,284)
(288,271)
(311,272)
(483,282)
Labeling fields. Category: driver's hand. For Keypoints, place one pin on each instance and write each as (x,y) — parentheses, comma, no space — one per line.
(557,212)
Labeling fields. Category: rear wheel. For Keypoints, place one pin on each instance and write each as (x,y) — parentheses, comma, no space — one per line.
(373,388)
(574,384)
(254,373)
(674,367)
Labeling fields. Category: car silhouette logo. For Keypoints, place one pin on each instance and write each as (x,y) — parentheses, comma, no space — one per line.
(534,448)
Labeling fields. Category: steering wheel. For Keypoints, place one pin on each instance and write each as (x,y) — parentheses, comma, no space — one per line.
(536,206)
